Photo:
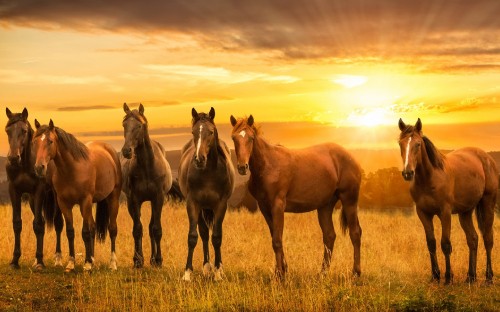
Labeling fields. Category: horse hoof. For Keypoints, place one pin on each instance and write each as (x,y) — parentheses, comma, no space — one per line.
(112,263)
(470,279)
(71,265)
(87,267)
(187,275)
(156,263)
(219,275)
(38,266)
(58,260)
(207,269)
(15,265)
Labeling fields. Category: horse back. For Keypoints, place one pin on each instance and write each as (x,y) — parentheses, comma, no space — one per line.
(474,173)
(106,163)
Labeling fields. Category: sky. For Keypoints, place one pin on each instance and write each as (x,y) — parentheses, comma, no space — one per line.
(352,67)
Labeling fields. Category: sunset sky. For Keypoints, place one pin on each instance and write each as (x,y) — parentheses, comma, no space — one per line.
(344,66)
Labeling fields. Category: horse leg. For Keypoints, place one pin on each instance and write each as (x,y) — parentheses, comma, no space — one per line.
(58,225)
(472,240)
(88,232)
(446,243)
(219,215)
(204,234)
(38,226)
(193,214)
(278,219)
(113,206)
(426,220)
(17,225)
(155,230)
(326,224)
(350,210)
(487,213)
(134,209)
(67,211)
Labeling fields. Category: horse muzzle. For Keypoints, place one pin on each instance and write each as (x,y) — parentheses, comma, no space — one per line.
(200,162)
(40,170)
(127,153)
(14,159)
(243,169)
(408,174)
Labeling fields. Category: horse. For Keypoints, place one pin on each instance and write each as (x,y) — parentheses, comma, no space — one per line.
(206,178)
(146,177)
(22,179)
(81,174)
(457,183)
(304,180)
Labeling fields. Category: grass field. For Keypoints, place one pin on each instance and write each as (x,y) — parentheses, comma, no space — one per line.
(395,269)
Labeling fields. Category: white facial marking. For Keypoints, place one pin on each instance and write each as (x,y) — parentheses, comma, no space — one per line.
(407,152)
(43,136)
(199,143)
(243,133)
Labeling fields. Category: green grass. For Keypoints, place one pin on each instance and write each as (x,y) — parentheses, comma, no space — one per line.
(395,269)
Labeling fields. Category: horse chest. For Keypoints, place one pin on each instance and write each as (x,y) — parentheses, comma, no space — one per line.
(24,182)
(146,184)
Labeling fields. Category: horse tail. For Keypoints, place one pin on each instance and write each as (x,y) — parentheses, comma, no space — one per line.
(102,219)
(49,207)
(208,216)
(480,217)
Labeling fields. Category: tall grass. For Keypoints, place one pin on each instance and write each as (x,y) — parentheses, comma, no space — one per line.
(395,269)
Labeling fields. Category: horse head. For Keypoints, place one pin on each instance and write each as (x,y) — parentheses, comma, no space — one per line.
(134,129)
(204,136)
(18,131)
(44,146)
(243,136)
(410,143)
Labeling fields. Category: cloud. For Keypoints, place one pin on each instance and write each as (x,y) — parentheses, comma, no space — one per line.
(83,108)
(295,29)
(22,77)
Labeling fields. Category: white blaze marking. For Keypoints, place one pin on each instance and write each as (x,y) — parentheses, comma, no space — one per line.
(199,143)
(407,152)
(243,133)
(43,136)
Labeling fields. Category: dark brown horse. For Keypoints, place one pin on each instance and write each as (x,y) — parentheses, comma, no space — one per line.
(22,179)
(146,177)
(81,174)
(460,182)
(314,178)
(206,178)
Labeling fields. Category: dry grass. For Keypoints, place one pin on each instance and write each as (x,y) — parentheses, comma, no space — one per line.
(395,265)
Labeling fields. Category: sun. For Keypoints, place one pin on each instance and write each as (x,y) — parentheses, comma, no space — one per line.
(349,81)
(369,117)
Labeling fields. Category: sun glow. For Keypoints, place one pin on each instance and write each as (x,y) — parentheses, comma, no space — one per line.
(349,81)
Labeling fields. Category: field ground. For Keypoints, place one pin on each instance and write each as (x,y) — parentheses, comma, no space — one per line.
(395,269)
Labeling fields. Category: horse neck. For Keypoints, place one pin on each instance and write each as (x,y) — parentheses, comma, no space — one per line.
(213,153)
(27,157)
(144,150)
(64,161)
(425,169)
(261,153)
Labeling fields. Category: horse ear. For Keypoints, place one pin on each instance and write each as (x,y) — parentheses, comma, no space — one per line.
(141,109)
(8,112)
(233,120)
(401,124)
(126,109)
(418,125)
(37,124)
(211,114)
(25,114)
(194,113)
(250,121)
(51,125)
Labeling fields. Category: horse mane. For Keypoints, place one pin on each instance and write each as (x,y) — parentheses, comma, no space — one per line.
(435,156)
(135,114)
(202,117)
(76,148)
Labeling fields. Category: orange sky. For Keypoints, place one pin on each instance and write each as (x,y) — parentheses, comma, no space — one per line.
(340,64)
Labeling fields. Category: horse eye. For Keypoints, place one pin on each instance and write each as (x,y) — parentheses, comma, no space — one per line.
(49,142)
(211,133)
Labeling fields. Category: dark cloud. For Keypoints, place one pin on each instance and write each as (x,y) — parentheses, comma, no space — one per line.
(296,28)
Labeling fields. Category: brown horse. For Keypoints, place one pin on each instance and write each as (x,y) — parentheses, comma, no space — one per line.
(146,177)
(314,178)
(22,179)
(81,174)
(460,182)
(206,178)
